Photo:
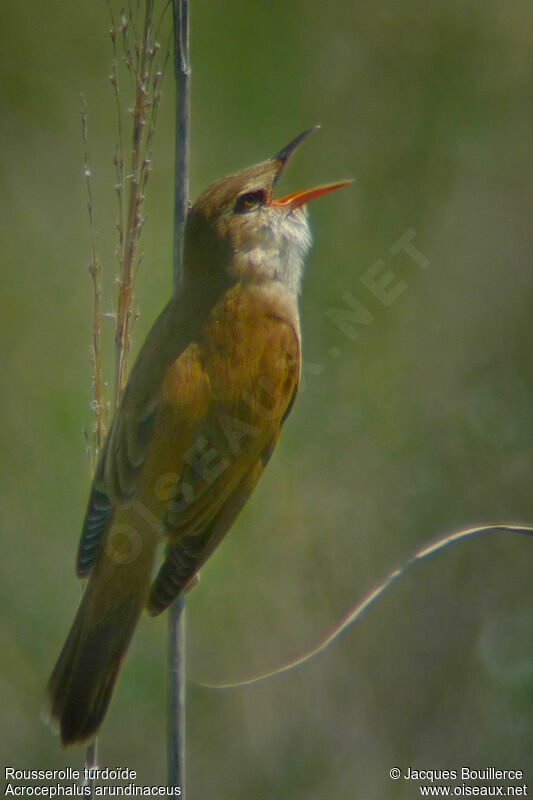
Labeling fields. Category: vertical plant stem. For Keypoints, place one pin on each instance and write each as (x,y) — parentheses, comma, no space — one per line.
(95,270)
(140,65)
(91,761)
(97,437)
(176,614)
(176,694)
(181,152)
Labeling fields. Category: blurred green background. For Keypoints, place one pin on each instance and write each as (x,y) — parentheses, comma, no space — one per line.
(419,426)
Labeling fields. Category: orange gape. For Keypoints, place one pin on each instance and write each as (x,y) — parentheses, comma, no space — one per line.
(197,424)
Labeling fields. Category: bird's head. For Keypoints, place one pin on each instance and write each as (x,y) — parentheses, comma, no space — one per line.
(238,231)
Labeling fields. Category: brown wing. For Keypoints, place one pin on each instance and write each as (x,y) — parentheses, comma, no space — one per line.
(191,551)
(248,360)
(130,435)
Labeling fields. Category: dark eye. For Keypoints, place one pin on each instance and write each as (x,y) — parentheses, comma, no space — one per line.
(248,201)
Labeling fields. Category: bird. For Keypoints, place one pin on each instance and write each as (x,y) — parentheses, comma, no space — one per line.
(197,423)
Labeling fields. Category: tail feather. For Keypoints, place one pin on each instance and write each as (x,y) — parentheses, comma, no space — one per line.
(83,679)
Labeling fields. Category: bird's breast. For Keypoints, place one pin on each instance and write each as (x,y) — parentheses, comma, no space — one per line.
(223,402)
(249,341)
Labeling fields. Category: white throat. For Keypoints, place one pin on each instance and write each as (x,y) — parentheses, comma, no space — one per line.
(274,247)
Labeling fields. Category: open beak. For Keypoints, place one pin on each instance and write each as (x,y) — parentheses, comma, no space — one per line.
(297,199)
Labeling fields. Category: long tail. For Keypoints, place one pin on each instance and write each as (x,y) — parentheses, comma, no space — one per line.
(82,681)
